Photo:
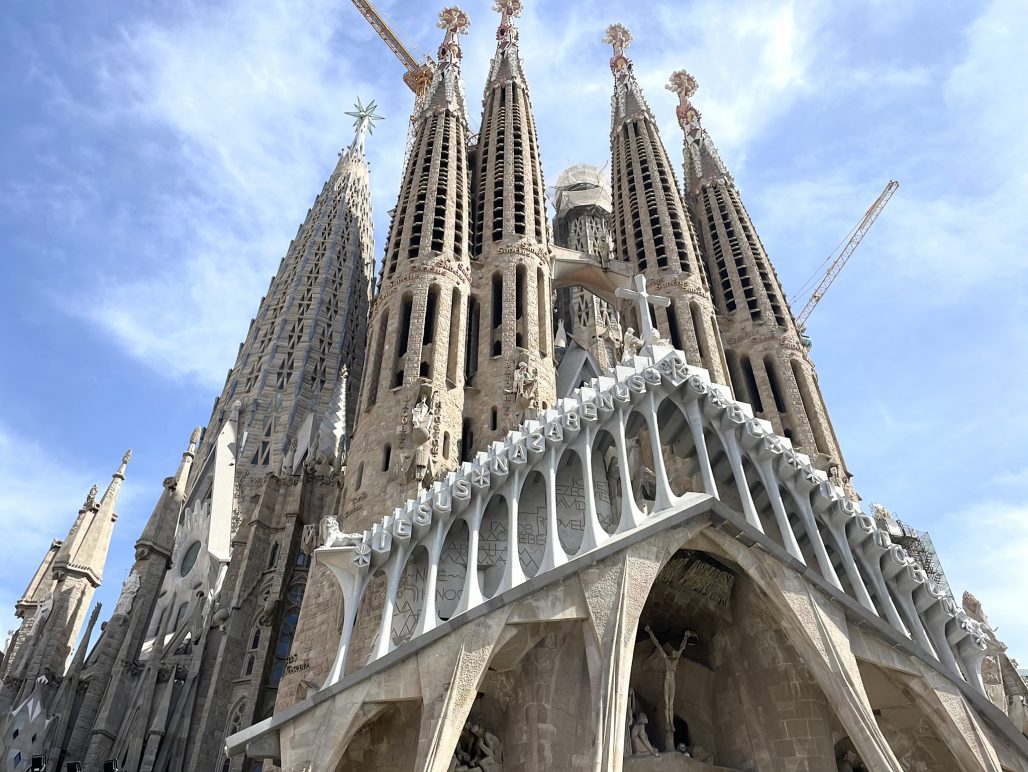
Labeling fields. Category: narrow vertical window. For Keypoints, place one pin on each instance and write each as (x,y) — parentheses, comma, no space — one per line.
(454,333)
(519,306)
(751,384)
(543,322)
(471,344)
(672,326)
(816,426)
(402,339)
(387,454)
(776,391)
(496,335)
(427,368)
(701,337)
(373,374)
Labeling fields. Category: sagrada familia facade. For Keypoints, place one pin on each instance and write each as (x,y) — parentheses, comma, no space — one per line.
(556,494)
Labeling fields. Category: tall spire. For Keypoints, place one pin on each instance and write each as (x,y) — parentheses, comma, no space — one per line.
(312,321)
(411,404)
(510,319)
(766,358)
(703,164)
(84,552)
(652,230)
(447,88)
(159,533)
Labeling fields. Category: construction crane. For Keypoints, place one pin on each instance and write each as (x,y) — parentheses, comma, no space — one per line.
(419,72)
(838,260)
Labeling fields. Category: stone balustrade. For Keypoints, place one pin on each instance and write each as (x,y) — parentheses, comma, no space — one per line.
(565,485)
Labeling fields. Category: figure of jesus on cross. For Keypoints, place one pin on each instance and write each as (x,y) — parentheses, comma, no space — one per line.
(643,300)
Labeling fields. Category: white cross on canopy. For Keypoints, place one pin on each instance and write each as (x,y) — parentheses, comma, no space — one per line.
(643,301)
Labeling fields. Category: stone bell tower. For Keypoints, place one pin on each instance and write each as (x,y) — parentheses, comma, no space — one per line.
(408,425)
(652,230)
(510,369)
(767,361)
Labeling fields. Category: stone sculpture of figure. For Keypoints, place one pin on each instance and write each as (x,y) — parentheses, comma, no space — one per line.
(91,498)
(478,750)
(488,752)
(611,338)
(656,339)
(333,537)
(309,539)
(670,669)
(420,465)
(630,345)
(289,459)
(525,381)
(641,745)
(848,762)
(421,420)
(128,594)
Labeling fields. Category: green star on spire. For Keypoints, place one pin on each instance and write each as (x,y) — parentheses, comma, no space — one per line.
(365,113)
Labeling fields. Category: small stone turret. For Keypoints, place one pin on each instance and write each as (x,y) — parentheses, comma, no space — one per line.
(768,364)
(41,585)
(652,230)
(110,687)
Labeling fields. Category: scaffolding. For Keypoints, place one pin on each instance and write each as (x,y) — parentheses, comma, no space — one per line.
(918,545)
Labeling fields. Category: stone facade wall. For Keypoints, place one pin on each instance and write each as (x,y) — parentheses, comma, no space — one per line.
(768,708)
(387,744)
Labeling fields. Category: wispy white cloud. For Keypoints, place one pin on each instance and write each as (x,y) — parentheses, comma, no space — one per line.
(39,496)
(241,106)
(984,552)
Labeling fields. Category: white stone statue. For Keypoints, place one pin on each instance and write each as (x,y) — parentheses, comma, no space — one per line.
(641,745)
(656,339)
(128,594)
(332,536)
(630,345)
(421,421)
(423,467)
(670,658)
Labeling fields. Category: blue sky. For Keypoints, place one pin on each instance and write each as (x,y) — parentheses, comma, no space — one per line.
(157,158)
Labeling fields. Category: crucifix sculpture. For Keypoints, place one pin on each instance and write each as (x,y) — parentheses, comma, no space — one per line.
(670,662)
(643,300)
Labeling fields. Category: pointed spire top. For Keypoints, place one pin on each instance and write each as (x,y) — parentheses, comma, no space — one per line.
(620,38)
(629,102)
(703,163)
(90,502)
(685,85)
(507,34)
(364,116)
(124,464)
(85,550)
(456,22)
